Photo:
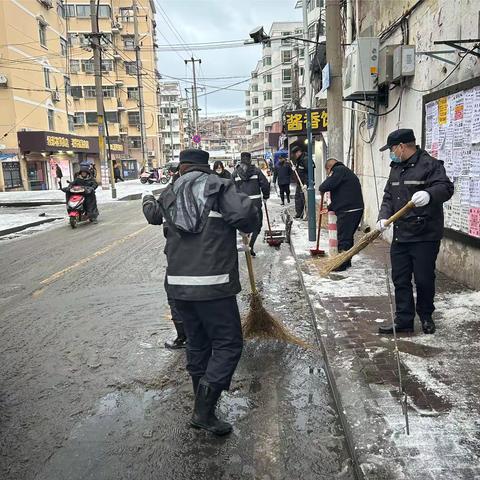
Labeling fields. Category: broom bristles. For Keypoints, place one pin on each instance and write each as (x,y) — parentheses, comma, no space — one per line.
(343,257)
(259,323)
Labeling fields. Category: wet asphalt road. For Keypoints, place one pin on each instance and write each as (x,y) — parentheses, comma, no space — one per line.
(87,390)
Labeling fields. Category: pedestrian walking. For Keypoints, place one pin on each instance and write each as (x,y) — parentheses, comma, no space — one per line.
(417,176)
(284,176)
(300,164)
(346,201)
(117,173)
(220,170)
(202,213)
(250,180)
(58,174)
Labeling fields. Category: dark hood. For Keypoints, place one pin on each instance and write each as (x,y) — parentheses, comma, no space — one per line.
(245,171)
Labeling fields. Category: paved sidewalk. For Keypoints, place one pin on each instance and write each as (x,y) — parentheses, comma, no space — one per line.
(441,372)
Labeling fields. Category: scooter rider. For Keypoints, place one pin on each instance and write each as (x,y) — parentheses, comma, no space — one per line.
(202,213)
(85,179)
(250,180)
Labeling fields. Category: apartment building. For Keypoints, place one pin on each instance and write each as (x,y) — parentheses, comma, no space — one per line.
(275,83)
(172,121)
(46,88)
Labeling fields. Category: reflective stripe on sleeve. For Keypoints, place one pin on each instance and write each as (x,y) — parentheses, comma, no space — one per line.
(198,280)
(253,177)
(414,182)
(213,214)
(395,184)
(253,197)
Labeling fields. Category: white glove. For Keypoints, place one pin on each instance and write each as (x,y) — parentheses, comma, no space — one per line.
(382,225)
(304,188)
(421,198)
(294,167)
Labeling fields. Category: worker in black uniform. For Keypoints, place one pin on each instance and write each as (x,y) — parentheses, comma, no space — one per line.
(300,164)
(250,180)
(416,176)
(202,213)
(346,201)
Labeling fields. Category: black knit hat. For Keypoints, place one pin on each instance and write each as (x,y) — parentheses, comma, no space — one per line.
(246,157)
(194,156)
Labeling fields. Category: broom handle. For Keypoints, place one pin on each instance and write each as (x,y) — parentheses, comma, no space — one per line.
(319,221)
(268,220)
(302,187)
(400,213)
(248,256)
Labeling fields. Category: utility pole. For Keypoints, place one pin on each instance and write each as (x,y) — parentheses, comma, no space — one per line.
(97,65)
(194,92)
(141,104)
(311,207)
(335,91)
(172,156)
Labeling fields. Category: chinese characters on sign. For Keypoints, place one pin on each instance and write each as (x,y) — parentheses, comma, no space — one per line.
(296,121)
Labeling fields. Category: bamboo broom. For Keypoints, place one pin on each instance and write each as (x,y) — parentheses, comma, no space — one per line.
(366,240)
(258,322)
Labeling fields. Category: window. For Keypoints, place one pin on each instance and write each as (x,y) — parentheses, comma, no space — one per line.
(254,88)
(287,75)
(286,56)
(130,68)
(267,95)
(11,174)
(255,125)
(74,66)
(134,142)
(69,11)
(87,66)
(111,117)
(42,33)
(46,77)
(248,112)
(247,103)
(71,123)
(79,118)
(286,93)
(255,113)
(286,41)
(268,112)
(254,74)
(63,47)
(128,42)
(254,100)
(109,91)
(104,11)
(267,78)
(76,92)
(51,120)
(83,11)
(106,39)
(312,31)
(91,118)
(107,65)
(301,53)
(134,118)
(267,61)
(89,91)
(126,14)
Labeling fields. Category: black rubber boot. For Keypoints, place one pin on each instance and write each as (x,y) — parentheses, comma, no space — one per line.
(195,382)
(428,325)
(204,410)
(179,342)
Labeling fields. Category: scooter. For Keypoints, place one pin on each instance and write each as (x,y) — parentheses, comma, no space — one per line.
(151,177)
(75,204)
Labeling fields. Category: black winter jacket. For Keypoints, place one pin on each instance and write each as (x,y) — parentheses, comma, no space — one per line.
(345,190)
(284,173)
(225,174)
(204,266)
(251,182)
(302,168)
(419,172)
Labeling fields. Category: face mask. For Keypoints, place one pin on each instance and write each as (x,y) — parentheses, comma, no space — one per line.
(219,170)
(394,157)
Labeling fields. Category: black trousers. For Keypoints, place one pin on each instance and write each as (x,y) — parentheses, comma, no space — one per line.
(415,259)
(215,340)
(284,190)
(177,320)
(347,224)
(257,231)
(299,201)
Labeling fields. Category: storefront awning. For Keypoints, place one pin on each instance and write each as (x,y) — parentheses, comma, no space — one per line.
(54,142)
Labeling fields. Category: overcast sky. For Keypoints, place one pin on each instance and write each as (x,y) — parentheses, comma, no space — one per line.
(218,20)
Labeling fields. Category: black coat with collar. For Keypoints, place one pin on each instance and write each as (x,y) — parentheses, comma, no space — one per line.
(419,172)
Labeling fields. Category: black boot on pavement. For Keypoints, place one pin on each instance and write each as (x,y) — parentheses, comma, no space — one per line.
(179,342)
(204,410)
(388,329)
(252,253)
(428,325)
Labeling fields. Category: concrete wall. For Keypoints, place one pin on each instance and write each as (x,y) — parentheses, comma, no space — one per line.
(432,20)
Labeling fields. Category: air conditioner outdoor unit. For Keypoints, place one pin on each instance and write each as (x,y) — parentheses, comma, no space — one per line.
(46,3)
(56,96)
(151,153)
(360,76)
(3,80)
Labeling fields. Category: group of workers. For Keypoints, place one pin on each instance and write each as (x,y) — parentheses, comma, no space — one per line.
(202,210)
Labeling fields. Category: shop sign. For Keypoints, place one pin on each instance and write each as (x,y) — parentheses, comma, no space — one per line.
(296,121)
(51,142)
